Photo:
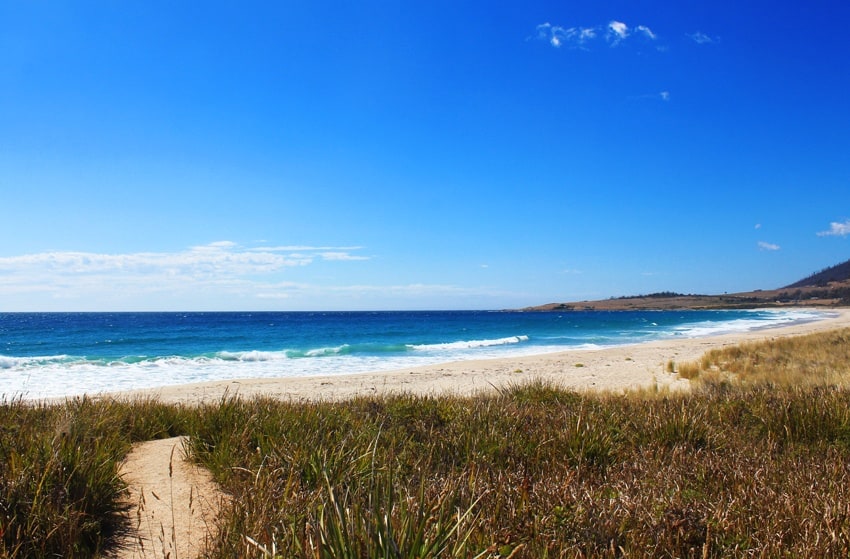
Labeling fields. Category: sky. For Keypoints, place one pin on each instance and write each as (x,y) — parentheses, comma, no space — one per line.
(374,155)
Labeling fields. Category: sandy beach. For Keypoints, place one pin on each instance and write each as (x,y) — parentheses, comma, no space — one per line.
(611,369)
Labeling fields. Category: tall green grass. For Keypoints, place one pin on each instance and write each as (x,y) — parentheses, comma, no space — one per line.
(60,494)
(754,462)
(539,472)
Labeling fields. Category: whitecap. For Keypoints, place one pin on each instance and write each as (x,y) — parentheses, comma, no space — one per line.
(470,344)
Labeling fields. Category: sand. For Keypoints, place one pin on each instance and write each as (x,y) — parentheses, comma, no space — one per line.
(610,369)
(173,503)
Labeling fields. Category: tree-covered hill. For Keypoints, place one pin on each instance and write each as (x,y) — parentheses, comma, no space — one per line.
(837,273)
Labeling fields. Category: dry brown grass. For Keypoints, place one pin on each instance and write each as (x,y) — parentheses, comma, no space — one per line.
(821,359)
(721,472)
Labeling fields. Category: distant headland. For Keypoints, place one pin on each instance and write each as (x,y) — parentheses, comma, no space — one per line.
(829,287)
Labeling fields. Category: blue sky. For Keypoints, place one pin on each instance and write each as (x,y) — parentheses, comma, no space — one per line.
(416,155)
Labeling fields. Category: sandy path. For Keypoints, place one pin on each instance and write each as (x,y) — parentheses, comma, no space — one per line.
(174,502)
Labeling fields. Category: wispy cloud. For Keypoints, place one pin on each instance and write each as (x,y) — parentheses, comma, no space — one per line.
(646,31)
(223,258)
(222,267)
(557,36)
(289,290)
(767,246)
(217,276)
(612,34)
(660,96)
(836,230)
(302,248)
(701,38)
(340,256)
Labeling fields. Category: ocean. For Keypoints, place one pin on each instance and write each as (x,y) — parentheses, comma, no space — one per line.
(45,355)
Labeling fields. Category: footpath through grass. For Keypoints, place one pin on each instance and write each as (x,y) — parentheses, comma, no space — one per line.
(60,494)
(754,462)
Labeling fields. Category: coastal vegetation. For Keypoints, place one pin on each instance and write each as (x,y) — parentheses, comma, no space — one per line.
(754,461)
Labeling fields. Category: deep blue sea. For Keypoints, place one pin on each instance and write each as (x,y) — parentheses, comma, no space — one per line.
(62,354)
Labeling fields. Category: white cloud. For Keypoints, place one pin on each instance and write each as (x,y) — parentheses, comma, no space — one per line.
(548,32)
(557,35)
(580,37)
(758,225)
(836,230)
(617,31)
(586,34)
(342,256)
(195,262)
(217,276)
(701,38)
(646,31)
(223,268)
(767,246)
(302,248)
(661,95)
(217,245)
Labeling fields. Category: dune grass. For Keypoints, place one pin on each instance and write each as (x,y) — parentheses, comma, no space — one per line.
(754,462)
(60,494)
(801,361)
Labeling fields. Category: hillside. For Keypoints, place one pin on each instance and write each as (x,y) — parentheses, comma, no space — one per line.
(827,288)
(837,273)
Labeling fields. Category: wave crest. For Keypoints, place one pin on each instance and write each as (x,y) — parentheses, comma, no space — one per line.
(471,344)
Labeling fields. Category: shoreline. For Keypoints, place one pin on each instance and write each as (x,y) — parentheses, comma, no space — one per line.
(617,369)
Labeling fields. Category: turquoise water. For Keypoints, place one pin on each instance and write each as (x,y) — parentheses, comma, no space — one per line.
(62,354)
